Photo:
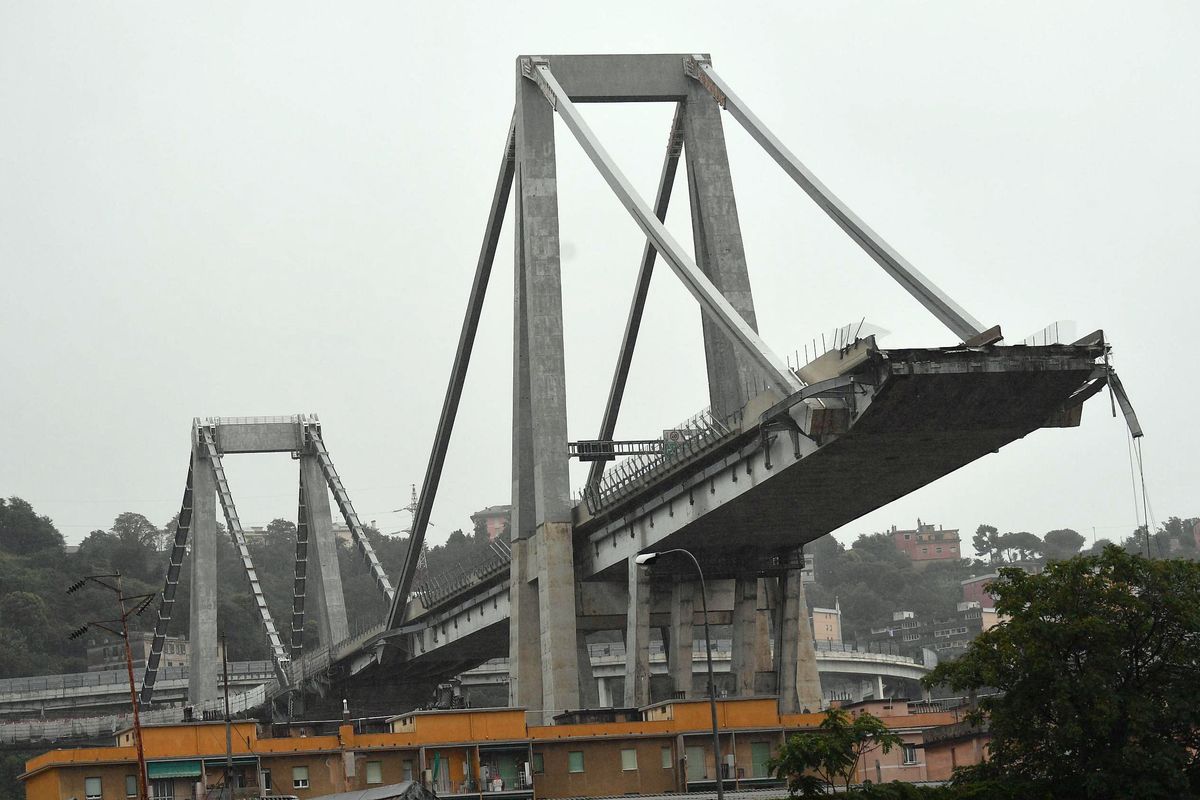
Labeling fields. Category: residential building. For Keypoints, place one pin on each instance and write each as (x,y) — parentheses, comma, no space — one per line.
(946,634)
(492,519)
(827,623)
(926,543)
(974,590)
(471,753)
(109,653)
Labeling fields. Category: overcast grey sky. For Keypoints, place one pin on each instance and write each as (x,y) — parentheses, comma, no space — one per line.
(240,209)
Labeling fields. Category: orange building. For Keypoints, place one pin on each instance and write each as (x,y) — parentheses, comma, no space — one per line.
(473,753)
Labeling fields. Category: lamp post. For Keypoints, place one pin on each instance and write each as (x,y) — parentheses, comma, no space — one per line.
(646,559)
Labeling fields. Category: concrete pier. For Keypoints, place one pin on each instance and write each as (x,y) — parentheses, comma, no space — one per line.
(745,634)
(324,582)
(679,645)
(637,638)
(203,651)
(799,683)
(539,325)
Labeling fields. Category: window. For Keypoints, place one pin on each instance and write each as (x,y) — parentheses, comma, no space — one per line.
(299,777)
(539,764)
(696,768)
(938,549)
(910,754)
(266,780)
(91,788)
(374,772)
(575,761)
(908,536)
(131,787)
(408,769)
(760,753)
(666,758)
(163,789)
(628,760)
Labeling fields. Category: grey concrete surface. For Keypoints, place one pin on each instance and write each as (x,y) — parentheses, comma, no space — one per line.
(203,649)
(637,638)
(325,579)
(717,238)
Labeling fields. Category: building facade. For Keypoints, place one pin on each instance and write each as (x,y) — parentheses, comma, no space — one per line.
(473,753)
(947,635)
(493,520)
(974,590)
(827,623)
(109,654)
(926,543)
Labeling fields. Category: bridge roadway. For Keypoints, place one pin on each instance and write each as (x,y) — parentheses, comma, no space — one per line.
(93,692)
(871,426)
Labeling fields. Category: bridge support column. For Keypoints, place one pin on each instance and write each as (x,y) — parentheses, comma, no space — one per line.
(799,683)
(203,654)
(541,487)
(719,250)
(323,552)
(681,635)
(744,655)
(589,694)
(524,659)
(637,638)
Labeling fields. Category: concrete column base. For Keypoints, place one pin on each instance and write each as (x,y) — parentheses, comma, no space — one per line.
(637,638)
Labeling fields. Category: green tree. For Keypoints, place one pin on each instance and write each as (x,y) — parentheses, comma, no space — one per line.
(814,764)
(1098,675)
(986,542)
(1062,543)
(23,531)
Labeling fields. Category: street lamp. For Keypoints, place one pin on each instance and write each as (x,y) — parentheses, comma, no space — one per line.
(646,559)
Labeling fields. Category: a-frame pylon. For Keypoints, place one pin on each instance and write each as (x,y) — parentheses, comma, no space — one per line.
(316,548)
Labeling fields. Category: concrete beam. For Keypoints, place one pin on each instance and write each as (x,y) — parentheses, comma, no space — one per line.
(620,78)
(258,435)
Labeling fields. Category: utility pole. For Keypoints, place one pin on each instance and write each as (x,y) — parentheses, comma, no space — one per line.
(142,601)
(228,722)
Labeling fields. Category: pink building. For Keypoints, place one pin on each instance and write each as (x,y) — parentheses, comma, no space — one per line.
(973,590)
(493,519)
(927,543)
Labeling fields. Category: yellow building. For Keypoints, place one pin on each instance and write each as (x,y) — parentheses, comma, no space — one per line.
(827,623)
(467,754)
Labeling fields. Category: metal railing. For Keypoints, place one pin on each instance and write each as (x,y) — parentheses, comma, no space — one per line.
(682,444)
(437,588)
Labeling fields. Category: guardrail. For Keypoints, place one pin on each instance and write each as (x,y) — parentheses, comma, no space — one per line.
(437,588)
(681,444)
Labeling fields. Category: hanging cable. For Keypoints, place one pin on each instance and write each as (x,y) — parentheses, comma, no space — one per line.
(1145,501)
(1133,485)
